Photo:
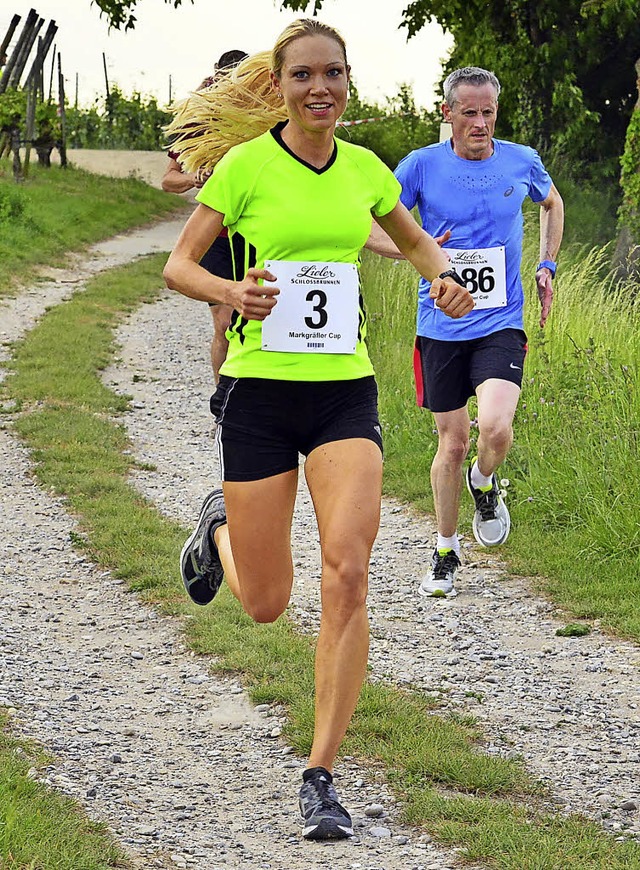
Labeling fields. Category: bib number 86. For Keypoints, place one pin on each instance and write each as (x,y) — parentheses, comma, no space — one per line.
(478,280)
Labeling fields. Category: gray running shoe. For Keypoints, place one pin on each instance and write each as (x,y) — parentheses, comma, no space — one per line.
(200,564)
(491,520)
(438,583)
(323,816)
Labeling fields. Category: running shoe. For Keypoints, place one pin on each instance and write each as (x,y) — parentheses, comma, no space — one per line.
(439,581)
(491,520)
(200,564)
(324,818)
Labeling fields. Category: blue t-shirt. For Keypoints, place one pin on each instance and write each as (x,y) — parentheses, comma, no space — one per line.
(480,201)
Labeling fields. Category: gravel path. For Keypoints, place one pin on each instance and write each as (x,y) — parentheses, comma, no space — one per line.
(153,744)
(183,769)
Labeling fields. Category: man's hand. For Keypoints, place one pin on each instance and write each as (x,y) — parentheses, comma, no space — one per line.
(251,300)
(443,239)
(451,298)
(545,293)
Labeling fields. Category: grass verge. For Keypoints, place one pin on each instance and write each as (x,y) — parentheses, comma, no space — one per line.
(487,806)
(61,210)
(39,828)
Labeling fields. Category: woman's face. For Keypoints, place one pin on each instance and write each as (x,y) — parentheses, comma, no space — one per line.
(314,82)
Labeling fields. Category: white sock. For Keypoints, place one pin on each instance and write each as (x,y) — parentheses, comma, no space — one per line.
(448,543)
(478,480)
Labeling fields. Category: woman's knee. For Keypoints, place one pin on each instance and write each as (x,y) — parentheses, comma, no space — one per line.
(344,584)
(264,609)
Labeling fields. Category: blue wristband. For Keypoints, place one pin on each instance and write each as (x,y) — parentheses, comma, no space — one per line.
(550,265)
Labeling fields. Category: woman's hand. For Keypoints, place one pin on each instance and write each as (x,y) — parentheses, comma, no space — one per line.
(451,298)
(251,300)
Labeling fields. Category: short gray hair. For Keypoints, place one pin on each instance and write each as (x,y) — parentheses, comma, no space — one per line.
(468,75)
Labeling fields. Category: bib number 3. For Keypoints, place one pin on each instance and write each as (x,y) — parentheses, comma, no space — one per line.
(316,310)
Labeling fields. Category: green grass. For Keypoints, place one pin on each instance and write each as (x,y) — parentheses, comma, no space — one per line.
(39,828)
(487,806)
(60,210)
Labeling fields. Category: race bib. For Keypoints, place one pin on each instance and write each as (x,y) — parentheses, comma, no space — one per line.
(316,310)
(483,273)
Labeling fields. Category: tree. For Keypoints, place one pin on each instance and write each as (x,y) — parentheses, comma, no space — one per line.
(119,13)
(627,255)
(567,67)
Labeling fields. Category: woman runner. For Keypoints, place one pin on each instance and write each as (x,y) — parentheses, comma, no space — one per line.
(297,378)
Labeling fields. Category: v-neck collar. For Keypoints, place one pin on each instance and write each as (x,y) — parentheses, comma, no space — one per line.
(276,132)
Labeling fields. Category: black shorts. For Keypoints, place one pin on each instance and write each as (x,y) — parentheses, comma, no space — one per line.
(448,373)
(263,424)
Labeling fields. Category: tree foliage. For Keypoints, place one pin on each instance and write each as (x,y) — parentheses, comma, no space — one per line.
(119,13)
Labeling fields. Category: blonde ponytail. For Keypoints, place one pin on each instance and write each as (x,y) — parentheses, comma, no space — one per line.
(238,106)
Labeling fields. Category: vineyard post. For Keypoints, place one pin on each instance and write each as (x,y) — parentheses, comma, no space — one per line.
(43,48)
(62,147)
(53,66)
(9,67)
(4,45)
(32,98)
(108,92)
(25,51)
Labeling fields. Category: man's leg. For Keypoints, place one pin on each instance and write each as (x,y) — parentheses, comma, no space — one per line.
(497,403)
(446,469)
(446,483)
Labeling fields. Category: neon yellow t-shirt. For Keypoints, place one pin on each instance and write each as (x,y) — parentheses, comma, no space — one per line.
(288,210)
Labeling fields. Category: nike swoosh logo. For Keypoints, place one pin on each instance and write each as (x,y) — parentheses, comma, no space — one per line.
(511,366)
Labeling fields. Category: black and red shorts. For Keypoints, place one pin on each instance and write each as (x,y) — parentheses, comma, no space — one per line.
(447,373)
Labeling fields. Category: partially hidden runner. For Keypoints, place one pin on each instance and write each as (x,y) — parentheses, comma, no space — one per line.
(217,259)
(297,378)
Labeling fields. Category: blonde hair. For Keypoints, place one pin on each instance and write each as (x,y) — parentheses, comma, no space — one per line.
(298,28)
(238,106)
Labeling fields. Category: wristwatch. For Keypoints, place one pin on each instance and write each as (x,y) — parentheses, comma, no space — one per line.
(451,273)
(548,264)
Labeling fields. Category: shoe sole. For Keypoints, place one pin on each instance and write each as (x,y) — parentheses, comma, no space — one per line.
(437,593)
(474,524)
(327,831)
(187,544)
(503,538)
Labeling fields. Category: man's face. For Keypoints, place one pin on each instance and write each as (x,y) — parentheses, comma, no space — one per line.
(472,116)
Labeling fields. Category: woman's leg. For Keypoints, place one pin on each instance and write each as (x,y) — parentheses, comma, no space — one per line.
(345,481)
(255,545)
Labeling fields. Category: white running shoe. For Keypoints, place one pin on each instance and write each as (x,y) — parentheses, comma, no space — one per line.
(438,583)
(491,520)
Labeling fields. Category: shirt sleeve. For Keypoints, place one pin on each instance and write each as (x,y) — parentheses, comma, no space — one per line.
(219,191)
(408,176)
(389,192)
(539,179)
